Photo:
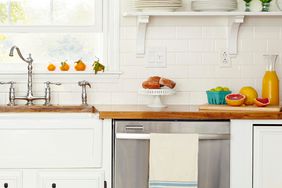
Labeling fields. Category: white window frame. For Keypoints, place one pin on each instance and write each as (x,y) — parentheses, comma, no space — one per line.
(109,13)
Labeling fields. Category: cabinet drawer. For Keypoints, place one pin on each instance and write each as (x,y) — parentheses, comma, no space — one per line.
(10,179)
(49,142)
(71,179)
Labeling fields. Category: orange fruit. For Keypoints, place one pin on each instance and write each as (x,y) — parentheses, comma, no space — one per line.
(235,99)
(261,102)
(250,93)
(51,67)
(64,66)
(80,65)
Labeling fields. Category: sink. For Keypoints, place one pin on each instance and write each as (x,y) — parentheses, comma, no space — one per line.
(52,108)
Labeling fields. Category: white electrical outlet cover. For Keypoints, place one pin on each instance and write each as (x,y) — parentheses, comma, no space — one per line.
(225,60)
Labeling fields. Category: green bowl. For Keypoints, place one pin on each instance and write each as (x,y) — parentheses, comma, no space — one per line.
(217,97)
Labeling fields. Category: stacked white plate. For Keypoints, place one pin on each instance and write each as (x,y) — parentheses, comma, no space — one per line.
(157,5)
(214,5)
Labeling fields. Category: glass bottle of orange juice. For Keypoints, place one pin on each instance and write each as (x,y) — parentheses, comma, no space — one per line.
(270,82)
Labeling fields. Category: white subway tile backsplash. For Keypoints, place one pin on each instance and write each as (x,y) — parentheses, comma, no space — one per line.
(243,58)
(189,32)
(131,72)
(176,45)
(255,45)
(212,32)
(161,33)
(228,72)
(274,46)
(127,46)
(201,45)
(198,98)
(130,59)
(100,98)
(246,32)
(206,71)
(131,85)
(188,58)
(262,32)
(66,98)
(179,98)
(221,45)
(125,98)
(253,71)
(211,58)
(171,58)
(128,32)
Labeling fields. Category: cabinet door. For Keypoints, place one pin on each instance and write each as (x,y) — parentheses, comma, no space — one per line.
(50,141)
(71,179)
(10,179)
(267,157)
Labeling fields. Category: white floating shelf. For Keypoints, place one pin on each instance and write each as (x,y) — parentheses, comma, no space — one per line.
(235,21)
(192,13)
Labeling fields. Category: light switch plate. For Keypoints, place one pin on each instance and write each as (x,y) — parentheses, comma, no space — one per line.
(156,57)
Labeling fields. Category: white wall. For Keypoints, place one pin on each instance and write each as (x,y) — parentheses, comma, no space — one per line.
(193,48)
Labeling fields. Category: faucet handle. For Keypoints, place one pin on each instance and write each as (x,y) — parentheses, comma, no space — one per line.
(12,92)
(52,83)
(6,83)
(48,91)
(84,83)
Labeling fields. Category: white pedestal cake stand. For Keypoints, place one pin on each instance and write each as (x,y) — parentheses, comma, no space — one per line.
(157,93)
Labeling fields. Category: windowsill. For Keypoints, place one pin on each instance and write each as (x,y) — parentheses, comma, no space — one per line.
(63,73)
(70,76)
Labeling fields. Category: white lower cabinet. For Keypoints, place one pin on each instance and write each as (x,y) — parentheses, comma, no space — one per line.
(50,142)
(256,154)
(64,178)
(11,178)
(54,151)
(267,157)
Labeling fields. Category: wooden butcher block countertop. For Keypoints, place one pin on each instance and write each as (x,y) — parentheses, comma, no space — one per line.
(41,108)
(142,112)
(178,112)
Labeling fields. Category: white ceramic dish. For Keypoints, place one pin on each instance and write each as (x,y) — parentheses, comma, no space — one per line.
(157,93)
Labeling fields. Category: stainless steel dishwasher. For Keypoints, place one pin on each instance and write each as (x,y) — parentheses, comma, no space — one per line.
(131,151)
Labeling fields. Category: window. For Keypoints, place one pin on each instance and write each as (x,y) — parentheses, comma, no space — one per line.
(58,30)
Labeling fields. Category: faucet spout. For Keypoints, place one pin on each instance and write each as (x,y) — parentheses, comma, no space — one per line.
(28,60)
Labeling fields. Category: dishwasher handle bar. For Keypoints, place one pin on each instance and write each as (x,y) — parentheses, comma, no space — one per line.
(131,136)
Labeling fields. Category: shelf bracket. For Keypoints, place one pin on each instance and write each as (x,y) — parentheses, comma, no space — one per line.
(234,27)
(142,22)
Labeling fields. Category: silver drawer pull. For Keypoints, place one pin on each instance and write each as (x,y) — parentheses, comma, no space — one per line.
(134,127)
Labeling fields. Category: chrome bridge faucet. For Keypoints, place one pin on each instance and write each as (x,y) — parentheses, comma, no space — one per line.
(29,96)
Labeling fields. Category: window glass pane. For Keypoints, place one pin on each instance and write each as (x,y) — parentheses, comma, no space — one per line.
(30,12)
(74,12)
(55,47)
(3,11)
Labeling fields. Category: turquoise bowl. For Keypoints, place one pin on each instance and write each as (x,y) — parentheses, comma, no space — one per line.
(217,97)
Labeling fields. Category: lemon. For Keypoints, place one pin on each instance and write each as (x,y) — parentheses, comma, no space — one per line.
(250,93)
(218,88)
(226,89)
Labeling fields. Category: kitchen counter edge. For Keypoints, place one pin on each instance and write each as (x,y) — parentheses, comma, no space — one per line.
(180,112)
